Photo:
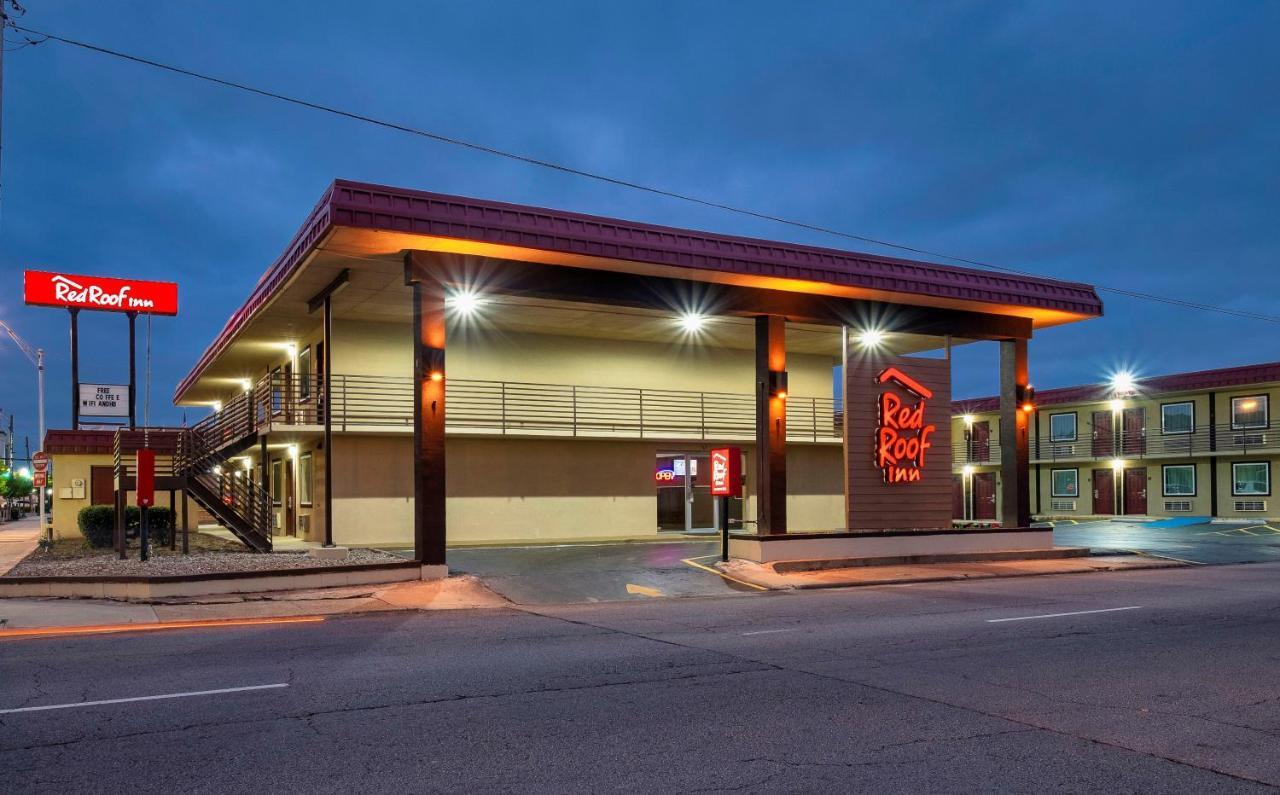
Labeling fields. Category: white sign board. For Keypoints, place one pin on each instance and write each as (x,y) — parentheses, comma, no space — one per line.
(104,400)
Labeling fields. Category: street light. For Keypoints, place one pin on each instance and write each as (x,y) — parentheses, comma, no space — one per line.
(36,357)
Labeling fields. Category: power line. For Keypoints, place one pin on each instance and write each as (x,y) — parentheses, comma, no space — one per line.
(529,160)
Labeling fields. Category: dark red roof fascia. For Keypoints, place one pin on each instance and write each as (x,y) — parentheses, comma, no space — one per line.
(85,442)
(1223,378)
(368,206)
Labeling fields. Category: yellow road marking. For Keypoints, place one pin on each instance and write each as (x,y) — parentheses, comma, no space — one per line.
(643,590)
(718,573)
(105,629)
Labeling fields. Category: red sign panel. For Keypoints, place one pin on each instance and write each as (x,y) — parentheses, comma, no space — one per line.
(146,477)
(902,437)
(101,293)
(726,472)
(39,480)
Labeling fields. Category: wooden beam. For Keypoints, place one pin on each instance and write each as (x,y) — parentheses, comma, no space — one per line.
(1015,470)
(771,426)
(429,530)
(317,301)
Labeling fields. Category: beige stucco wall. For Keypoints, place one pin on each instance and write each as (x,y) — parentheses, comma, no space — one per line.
(66,468)
(386,349)
(509,489)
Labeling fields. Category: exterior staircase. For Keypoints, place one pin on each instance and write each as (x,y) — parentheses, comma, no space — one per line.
(204,460)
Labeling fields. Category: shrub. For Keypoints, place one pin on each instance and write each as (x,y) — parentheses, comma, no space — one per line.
(98,524)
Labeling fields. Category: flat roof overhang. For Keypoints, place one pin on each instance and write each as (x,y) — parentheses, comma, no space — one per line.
(368,228)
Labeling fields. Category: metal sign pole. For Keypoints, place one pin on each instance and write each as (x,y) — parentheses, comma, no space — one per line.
(724,529)
(75,368)
(133,372)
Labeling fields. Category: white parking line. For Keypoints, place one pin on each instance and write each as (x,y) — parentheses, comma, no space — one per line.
(767,631)
(1060,615)
(143,698)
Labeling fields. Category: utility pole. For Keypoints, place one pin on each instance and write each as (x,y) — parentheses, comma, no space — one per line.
(36,357)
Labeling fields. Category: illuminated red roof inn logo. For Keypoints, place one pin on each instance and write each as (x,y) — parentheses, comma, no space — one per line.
(902,437)
(101,293)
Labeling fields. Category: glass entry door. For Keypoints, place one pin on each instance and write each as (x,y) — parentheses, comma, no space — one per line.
(683,481)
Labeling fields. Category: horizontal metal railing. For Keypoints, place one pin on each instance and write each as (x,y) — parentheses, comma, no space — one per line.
(511,407)
(1217,440)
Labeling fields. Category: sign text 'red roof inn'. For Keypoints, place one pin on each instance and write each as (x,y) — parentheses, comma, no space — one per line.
(41,288)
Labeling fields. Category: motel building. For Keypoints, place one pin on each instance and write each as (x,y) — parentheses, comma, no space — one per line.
(1188,444)
(426,371)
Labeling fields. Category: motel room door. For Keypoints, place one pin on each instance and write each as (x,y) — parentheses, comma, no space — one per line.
(1135,491)
(1104,440)
(980,437)
(1104,491)
(984,496)
(958,498)
(1134,426)
(290,498)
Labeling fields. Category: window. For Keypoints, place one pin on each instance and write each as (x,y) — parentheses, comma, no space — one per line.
(1249,412)
(277,480)
(1065,482)
(304,374)
(1252,478)
(1062,427)
(305,474)
(1178,417)
(1180,480)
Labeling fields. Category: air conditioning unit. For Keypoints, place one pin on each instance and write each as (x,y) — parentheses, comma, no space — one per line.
(1062,450)
(1062,505)
(1251,505)
(1177,506)
(1250,439)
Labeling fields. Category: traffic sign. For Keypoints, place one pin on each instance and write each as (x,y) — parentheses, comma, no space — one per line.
(39,480)
(40,462)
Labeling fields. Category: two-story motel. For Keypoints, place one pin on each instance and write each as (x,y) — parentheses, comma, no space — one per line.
(592,364)
(1186,444)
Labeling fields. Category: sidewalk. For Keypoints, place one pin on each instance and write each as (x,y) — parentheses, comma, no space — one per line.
(764,576)
(17,540)
(19,616)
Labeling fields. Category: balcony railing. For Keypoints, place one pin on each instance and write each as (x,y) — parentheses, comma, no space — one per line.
(508,407)
(1219,440)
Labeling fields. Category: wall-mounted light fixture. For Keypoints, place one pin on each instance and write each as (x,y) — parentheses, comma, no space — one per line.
(778,384)
(464,301)
(692,322)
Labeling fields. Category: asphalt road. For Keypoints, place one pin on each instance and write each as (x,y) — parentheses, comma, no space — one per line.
(568,573)
(952,687)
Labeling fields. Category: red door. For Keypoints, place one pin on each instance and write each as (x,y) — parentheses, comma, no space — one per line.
(1103,436)
(1104,491)
(1135,491)
(984,496)
(1134,441)
(957,497)
(981,435)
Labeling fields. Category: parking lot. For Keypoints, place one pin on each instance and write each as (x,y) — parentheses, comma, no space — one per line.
(1182,539)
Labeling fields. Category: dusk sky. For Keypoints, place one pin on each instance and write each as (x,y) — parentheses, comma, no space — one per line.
(1132,145)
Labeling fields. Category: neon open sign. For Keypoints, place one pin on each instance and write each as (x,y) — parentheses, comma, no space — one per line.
(902,435)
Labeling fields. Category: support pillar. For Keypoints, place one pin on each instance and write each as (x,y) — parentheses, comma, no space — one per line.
(75,368)
(133,371)
(428,414)
(1015,451)
(324,299)
(771,425)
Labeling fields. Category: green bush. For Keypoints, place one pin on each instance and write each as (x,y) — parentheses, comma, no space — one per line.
(98,524)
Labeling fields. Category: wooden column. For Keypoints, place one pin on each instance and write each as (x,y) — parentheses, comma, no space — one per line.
(428,415)
(1015,458)
(771,426)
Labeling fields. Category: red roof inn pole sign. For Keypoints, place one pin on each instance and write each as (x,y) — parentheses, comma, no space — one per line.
(902,437)
(102,293)
(74,292)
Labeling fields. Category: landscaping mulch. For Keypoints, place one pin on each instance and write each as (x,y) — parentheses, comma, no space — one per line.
(209,555)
